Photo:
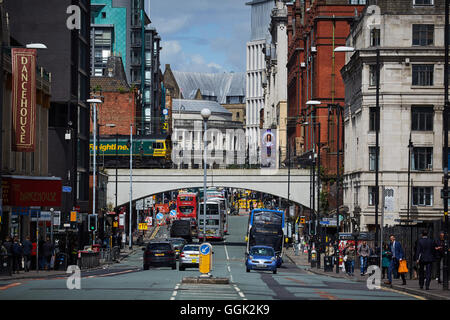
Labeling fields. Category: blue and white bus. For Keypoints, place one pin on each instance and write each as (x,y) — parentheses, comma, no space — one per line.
(265,227)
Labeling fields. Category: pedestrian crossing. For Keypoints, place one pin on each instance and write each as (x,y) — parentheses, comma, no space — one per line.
(189,291)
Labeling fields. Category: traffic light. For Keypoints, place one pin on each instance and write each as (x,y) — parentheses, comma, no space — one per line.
(92,222)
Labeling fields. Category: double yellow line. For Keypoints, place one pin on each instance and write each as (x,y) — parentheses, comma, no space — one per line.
(155,232)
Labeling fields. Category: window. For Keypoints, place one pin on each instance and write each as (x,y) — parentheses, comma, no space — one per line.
(372,194)
(422,118)
(104,15)
(423,2)
(372,75)
(422,34)
(375,37)
(422,74)
(372,158)
(372,119)
(357,1)
(422,196)
(422,158)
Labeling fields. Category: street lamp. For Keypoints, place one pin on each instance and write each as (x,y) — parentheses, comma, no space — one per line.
(94,101)
(206,113)
(51,224)
(410,149)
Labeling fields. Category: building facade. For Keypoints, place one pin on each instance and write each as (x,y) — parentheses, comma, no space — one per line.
(67,59)
(123,28)
(22,172)
(315,29)
(409,37)
(275,82)
(254,101)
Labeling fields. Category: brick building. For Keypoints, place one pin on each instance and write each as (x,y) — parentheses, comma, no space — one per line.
(314,29)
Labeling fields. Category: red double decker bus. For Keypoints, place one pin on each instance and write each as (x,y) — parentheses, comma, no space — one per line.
(187,205)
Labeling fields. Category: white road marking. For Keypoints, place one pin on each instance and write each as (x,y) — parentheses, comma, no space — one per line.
(174,293)
(239,292)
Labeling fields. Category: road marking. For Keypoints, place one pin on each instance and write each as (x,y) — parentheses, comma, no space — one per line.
(403,292)
(174,293)
(155,232)
(226,252)
(11,285)
(239,292)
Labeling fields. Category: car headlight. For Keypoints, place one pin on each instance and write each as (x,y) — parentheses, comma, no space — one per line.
(273,259)
(250,257)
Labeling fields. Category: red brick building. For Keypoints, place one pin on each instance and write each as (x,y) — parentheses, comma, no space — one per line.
(314,29)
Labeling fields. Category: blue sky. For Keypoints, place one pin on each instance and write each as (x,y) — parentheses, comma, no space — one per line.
(202,35)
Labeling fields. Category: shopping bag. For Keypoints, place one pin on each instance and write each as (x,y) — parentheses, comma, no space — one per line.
(402,267)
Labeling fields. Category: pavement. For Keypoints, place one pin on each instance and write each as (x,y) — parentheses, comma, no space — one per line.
(436,291)
(34,274)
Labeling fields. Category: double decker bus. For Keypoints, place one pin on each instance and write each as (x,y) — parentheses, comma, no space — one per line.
(211,225)
(187,205)
(265,227)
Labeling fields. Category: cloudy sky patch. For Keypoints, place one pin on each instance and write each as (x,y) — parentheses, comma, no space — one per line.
(202,35)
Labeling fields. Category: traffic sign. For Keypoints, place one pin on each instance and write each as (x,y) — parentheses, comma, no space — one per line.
(173,213)
(143,226)
(73,216)
(205,263)
(160,216)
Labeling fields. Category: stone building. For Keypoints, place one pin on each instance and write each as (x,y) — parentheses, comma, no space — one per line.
(409,36)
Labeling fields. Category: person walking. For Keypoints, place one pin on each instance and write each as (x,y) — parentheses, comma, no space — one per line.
(329,252)
(350,252)
(17,252)
(364,253)
(386,259)
(8,246)
(47,253)
(27,249)
(424,256)
(397,255)
(439,255)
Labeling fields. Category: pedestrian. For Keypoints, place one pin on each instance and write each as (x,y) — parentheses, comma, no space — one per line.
(397,255)
(424,254)
(27,249)
(439,255)
(17,252)
(8,246)
(350,253)
(364,253)
(386,259)
(47,253)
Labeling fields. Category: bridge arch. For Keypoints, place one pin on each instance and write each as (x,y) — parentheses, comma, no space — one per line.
(153,181)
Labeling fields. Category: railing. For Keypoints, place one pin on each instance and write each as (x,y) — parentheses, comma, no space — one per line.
(88,259)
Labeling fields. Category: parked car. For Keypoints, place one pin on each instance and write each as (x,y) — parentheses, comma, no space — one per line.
(189,257)
(261,258)
(160,254)
(177,244)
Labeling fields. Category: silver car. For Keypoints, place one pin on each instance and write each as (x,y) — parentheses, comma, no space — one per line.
(189,257)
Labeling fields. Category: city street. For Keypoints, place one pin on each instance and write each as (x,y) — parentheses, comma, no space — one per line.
(128,281)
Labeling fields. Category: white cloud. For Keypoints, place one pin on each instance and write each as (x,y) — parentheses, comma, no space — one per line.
(171,25)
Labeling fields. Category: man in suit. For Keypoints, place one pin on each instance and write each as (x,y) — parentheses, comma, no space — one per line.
(397,255)
(424,256)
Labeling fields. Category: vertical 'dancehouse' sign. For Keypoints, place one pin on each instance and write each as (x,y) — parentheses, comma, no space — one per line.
(23,99)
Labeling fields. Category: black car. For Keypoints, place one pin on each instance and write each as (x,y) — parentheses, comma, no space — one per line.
(177,244)
(159,254)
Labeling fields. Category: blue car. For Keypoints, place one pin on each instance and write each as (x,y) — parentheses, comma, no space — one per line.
(261,258)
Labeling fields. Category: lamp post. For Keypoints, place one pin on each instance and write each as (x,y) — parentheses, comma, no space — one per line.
(51,224)
(410,148)
(94,175)
(445,164)
(206,113)
(130,243)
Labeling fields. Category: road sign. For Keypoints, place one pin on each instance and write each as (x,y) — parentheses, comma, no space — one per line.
(73,216)
(165,111)
(160,216)
(173,213)
(205,263)
(143,226)
(66,189)
(140,204)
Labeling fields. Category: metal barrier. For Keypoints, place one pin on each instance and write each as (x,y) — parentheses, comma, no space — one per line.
(109,254)
(88,259)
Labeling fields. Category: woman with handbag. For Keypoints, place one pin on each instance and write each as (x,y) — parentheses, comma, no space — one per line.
(386,259)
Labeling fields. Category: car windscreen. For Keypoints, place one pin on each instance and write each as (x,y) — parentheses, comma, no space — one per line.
(186,209)
(262,251)
(159,246)
(177,242)
(191,248)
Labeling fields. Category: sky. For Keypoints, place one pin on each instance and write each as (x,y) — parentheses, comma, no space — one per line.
(202,35)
